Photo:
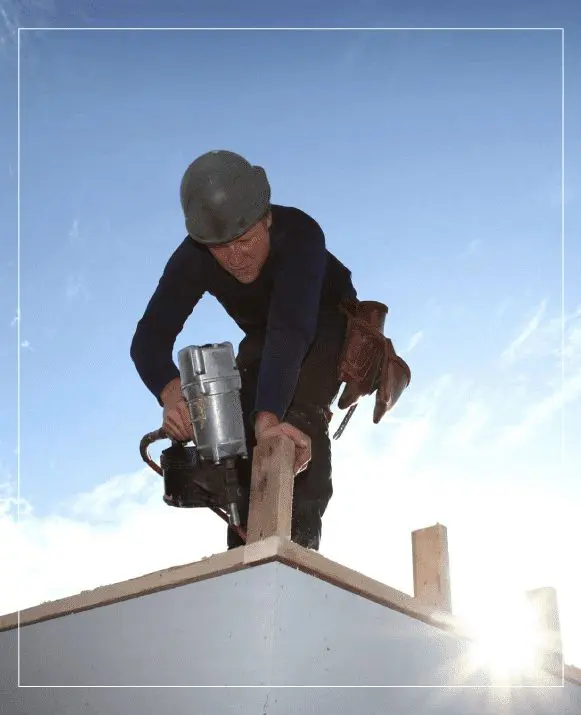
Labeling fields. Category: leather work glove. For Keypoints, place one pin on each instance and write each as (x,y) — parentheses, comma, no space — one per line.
(369,362)
(268,425)
(177,422)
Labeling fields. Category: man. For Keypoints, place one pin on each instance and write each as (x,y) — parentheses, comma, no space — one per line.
(269,268)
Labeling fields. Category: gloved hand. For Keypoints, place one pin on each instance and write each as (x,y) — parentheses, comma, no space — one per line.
(268,425)
(177,422)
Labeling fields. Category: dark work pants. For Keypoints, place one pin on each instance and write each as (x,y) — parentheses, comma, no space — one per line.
(317,387)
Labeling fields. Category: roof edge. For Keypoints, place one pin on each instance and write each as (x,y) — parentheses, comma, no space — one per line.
(572,674)
(267,550)
(315,564)
(209,567)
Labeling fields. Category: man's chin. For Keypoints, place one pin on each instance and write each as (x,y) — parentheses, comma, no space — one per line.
(249,277)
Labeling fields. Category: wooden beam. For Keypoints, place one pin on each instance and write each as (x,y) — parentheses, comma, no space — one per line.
(271,490)
(432,567)
(549,654)
(314,564)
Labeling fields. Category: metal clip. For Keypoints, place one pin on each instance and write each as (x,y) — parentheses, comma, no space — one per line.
(346,419)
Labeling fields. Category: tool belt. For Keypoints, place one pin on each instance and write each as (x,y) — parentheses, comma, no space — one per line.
(368,361)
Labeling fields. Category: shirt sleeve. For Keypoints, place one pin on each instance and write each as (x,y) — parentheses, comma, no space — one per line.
(180,288)
(300,266)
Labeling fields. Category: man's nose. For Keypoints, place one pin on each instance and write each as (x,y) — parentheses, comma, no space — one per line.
(238,255)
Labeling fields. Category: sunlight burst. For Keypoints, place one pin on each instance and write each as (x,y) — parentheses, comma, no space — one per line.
(506,639)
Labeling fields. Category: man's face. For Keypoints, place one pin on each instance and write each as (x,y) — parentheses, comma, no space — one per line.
(246,255)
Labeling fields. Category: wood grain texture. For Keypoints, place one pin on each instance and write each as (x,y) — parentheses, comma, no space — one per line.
(431,567)
(271,490)
(548,624)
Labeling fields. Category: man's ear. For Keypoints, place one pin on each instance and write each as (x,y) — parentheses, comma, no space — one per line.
(269,219)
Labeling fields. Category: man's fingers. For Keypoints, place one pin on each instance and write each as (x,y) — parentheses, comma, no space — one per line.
(173,430)
(184,412)
(298,437)
(302,459)
(185,431)
(176,427)
(301,441)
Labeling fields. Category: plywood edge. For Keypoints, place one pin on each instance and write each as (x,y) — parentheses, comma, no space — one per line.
(572,674)
(208,567)
(315,564)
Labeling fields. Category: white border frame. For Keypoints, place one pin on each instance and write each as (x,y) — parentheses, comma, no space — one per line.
(290,29)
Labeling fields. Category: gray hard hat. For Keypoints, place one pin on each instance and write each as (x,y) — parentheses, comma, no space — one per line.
(222,196)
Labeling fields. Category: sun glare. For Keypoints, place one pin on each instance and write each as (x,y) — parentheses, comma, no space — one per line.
(505,639)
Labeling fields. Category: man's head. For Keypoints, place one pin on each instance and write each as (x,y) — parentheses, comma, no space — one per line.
(226,204)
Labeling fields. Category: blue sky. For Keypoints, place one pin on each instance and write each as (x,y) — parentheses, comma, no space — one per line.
(432,160)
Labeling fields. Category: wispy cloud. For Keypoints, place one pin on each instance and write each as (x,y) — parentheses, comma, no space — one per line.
(544,337)
(37,13)
(84,545)
(415,340)
(518,346)
(572,335)
(542,411)
(9,28)
(558,338)
(25,345)
(464,431)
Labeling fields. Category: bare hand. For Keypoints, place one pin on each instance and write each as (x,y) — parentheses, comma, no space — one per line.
(265,429)
(177,422)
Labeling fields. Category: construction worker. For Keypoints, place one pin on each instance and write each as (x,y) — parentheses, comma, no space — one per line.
(268,266)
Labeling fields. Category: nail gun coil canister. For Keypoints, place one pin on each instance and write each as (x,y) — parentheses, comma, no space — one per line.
(211,383)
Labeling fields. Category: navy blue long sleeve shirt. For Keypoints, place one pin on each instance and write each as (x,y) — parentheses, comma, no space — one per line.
(299,279)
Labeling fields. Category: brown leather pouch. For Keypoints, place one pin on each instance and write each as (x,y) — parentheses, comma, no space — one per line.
(368,361)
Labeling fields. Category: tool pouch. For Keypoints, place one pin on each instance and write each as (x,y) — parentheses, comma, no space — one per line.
(368,361)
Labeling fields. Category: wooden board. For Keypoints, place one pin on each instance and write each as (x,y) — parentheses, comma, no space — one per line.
(572,674)
(432,567)
(271,491)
